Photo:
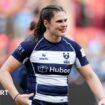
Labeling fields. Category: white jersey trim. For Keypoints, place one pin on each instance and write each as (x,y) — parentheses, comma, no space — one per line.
(54,99)
(53,57)
(53,80)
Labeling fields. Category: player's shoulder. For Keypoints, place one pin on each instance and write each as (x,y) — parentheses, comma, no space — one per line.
(28,43)
(71,42)
(30,40)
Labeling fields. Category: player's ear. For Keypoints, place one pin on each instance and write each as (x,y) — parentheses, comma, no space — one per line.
(46,24)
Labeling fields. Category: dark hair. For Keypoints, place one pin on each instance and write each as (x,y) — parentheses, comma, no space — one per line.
(32,26)
(46,14)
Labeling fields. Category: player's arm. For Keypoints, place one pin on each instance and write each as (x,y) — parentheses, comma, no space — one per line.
(93,82)
(88,73)
(12,64)
(5,78)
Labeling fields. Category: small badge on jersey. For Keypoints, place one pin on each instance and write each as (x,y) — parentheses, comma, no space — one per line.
(82,52)
(66,56)
(20,49)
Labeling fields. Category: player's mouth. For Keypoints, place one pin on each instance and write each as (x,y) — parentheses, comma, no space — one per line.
(62,30)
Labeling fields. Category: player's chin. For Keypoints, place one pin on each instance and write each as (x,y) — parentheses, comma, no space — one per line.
(62,34)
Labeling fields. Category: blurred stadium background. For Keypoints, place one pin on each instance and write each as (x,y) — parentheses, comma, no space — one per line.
(86,26)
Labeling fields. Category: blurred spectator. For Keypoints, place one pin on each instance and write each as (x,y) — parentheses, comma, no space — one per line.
(31,28)
(4,40)
(2,23)
(10,7)
(22,20)
(90,13)
(96,9)
(81,17)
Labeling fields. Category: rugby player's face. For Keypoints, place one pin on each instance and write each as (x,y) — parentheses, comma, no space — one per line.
(58,24)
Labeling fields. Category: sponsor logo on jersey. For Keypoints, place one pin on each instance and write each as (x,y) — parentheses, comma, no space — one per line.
(59,70)
(43,57)
(52,69)
(42,69)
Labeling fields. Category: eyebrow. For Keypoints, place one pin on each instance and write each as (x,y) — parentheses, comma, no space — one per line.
(60,20)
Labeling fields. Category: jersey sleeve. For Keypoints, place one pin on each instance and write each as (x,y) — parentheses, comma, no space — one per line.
(23,51)
(81,59)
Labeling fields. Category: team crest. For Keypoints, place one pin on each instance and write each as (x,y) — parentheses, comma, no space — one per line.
(66,55)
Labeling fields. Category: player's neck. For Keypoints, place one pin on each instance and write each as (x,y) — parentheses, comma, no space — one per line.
(52,38)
